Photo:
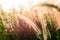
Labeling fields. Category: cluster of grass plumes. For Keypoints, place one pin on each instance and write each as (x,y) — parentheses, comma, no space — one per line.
(39,23)
(18,26)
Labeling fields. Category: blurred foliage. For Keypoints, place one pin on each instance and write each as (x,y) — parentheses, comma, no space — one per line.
(2,34)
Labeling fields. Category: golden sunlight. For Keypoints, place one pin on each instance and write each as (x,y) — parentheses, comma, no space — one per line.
(9,4)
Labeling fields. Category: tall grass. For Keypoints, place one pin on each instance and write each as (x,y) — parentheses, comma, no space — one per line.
(28,25)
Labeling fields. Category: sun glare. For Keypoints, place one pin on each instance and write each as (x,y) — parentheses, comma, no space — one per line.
(8,4)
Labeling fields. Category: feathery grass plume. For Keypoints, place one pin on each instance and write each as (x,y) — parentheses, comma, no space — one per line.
(54,11)
(43,22)
(32,16)
(51,27)
(7,31)
(51,18)
(10,27)
(38,9)
(28,25)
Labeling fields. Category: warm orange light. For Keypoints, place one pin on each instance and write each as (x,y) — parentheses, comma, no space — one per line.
(8,4)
